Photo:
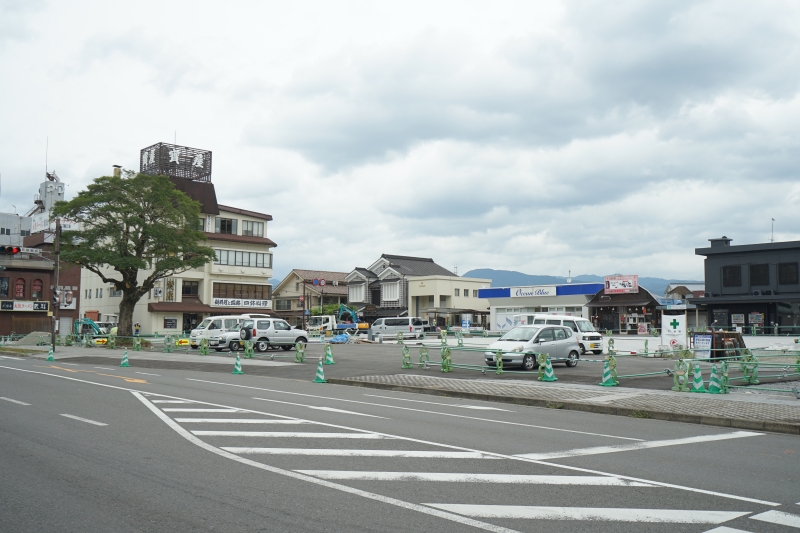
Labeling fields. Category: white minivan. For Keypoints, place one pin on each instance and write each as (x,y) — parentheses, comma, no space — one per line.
(212,326)
(588,337)
(409,326)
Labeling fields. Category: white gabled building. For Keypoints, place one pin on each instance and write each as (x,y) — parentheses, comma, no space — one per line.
(237,281)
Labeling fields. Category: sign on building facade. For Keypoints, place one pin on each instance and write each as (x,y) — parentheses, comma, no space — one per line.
(164,159)
(241,302)
(527,292)
(621,284)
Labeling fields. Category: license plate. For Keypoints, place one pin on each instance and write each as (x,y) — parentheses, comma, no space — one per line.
(593,346)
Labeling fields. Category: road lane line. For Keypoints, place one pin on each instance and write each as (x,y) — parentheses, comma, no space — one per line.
(13,401)
(146,374)
(170,401)
(84,420)
(580,452)
(478,407)
(289,434)
(343,488)
(473,478)
(316,408)
(199,410)
(240,421)
(104,368)
(451,415)
(418,454)
(410,439)
(779,517)
(725,529)
(607,514)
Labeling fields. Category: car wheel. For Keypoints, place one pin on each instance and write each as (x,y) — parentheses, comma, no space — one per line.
(583,349)
(218,349)
(286,348)
(572,358)
(234,346)
(195,346)
(597,352)
(528,362)
(245,334)
(262,345)
(301,339)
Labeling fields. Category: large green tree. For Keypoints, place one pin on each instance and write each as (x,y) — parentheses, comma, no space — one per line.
(135,229)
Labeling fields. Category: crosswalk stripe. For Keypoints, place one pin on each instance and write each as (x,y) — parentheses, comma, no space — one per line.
(676,516)
(778,517)
(726,529)
(198,410)
(239,421)
(360,453)
(472,478)
(289,434)
(636,446)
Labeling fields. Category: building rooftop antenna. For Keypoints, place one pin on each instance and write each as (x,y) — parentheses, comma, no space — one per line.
(772,233)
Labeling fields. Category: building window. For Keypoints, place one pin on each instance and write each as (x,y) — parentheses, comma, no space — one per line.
(299,304)
(474,293)
(19,288)
(391,292)
(355,293)
(248,259)
(759,274)
(24,233)
(190,288)
(458,292)
(113,293)
(5,231)
(36,289)
(787,274)
(297,287)
(732,276)
(226,225)
(243,291)
(202,225)
(252,229)
(466,293)
(283,305)
(98,293)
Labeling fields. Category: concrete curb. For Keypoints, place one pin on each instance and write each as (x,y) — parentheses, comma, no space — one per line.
(738,423)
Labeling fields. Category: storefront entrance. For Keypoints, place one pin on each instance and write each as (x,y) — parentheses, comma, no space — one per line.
(190,321)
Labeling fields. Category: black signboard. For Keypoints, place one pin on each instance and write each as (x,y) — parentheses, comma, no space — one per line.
(21,305)
(170,323)
(6,306)
(40,306)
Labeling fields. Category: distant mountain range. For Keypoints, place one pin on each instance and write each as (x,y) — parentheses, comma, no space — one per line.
(511,278)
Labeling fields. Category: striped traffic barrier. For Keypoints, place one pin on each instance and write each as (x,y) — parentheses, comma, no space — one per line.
(548,374)
(328,355)
(697,383)
(125,359)
(320,377)
(237,367)
(299,352)
(407,358)
(609,373)
(50,355)
(714,386)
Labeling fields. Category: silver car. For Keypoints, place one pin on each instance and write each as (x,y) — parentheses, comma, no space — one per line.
(556,341)
(271,332)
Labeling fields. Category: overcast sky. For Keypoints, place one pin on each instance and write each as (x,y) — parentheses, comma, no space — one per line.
(547,137)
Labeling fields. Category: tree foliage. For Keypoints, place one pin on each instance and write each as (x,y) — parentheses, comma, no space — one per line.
(134,230)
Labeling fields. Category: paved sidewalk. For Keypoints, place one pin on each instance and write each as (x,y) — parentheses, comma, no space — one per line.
(759,412)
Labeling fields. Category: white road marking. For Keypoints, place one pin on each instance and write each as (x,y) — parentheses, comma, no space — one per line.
(84,420)
(778,517)
(473,478)
(104,368)
(477,407)
(11,358)
(579,452)
(69,364)
(239,421)
(289,434)
(170,401)
(199,410)
(726,529)
(605,514)
(451,415)
(13,401)
(419,454)
(146,374)
(350,490)
(316,408)
(410,439)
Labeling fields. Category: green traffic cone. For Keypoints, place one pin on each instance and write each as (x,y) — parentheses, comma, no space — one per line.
(697,383)
(328,356)
(237,368)
(320,378)
(549,375)
(50,355)
(714,386)
(125,358)
(607,380)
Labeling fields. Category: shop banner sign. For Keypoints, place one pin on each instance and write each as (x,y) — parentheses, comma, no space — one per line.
(527,292)
(241,302)
(622,284)
(19,305)
(702,346)
(756,319)
(737,319)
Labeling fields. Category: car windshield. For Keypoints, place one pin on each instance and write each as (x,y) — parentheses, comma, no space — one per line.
(315,321)
(585,325)
(204,323)
(519,334)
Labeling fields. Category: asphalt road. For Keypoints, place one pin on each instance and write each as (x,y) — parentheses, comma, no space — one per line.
(194,451)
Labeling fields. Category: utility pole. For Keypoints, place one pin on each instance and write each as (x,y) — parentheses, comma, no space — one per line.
(56,291)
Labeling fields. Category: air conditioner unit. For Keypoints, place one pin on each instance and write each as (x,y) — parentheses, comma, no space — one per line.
(756,293)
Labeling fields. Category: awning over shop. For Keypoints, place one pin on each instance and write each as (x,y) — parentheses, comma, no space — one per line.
(452,311)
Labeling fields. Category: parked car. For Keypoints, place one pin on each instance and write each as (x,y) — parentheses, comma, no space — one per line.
(557,341)
(226,339)
(106,327)
(409,326)
(212,327)
(273,332)
(588,337)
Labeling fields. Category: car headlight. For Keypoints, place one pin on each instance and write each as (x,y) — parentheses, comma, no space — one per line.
(517,349)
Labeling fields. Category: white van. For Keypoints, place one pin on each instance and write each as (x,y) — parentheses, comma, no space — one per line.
(409,326)
(212,326)
(588,337)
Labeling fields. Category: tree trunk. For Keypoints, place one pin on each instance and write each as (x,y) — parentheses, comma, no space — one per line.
(126,307)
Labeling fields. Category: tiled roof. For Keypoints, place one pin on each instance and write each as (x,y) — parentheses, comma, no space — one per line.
(416,266)
(328,276)
(245,212)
